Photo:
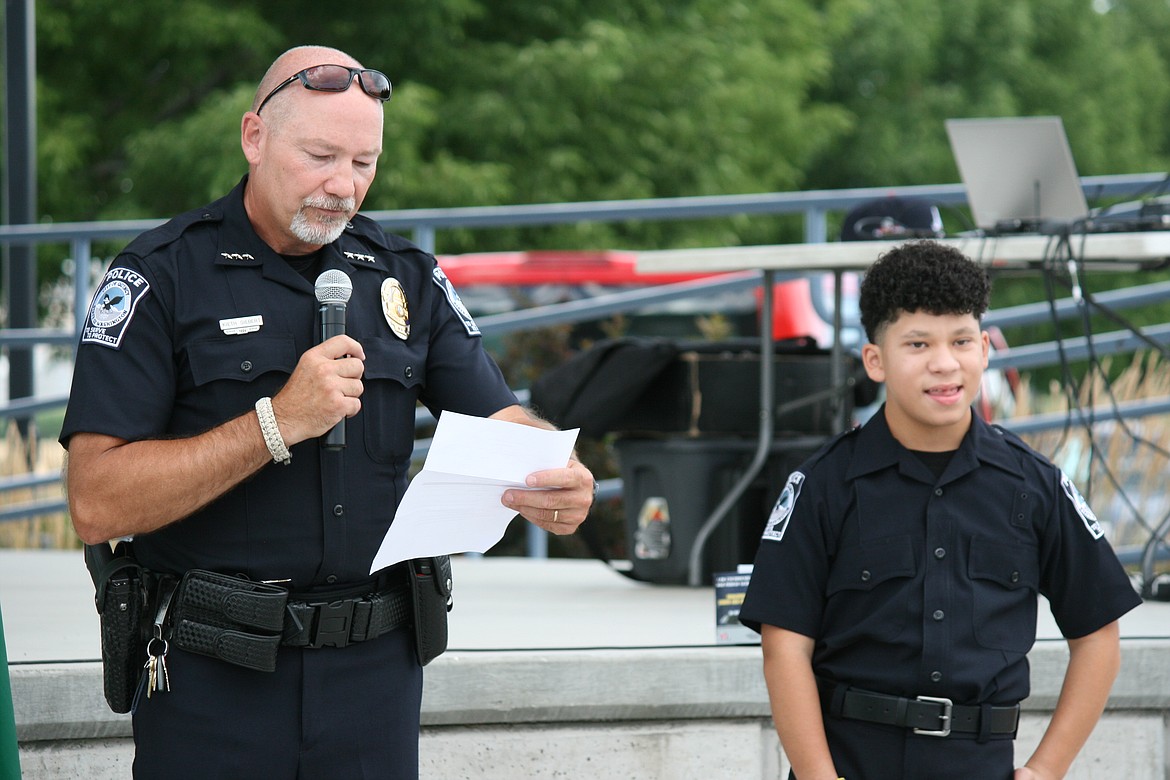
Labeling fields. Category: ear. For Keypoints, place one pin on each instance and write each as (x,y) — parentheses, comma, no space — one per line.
(252,133)
(986,339)
(871,358)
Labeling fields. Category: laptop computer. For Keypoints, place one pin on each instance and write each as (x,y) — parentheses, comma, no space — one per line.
(1019,173)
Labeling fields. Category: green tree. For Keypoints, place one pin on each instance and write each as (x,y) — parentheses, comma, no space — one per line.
(711,99)
(906,65)
(591,100)
(107,70)
(571,100)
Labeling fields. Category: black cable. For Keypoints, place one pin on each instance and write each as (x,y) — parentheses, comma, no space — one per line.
(1067,382)
(1149,554)
(1086,304)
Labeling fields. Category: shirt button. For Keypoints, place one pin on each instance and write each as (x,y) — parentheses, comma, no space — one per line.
(408,371)
(938,491)
(938,614)
(246,366)
(332,578)
(1015,576)
(865,575)
(940,553)
(935,676)
(338,510)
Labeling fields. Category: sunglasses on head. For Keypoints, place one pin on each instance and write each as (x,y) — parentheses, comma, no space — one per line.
(336,78)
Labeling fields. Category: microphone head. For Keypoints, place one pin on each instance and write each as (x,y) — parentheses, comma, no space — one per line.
(333,286)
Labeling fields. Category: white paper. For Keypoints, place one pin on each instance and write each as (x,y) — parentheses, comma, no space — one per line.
(453,504)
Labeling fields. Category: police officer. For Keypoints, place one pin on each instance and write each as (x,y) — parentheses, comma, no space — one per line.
(199,401)
(896,583)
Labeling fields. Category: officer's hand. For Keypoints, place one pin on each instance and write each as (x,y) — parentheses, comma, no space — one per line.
(561,509)
(325,386)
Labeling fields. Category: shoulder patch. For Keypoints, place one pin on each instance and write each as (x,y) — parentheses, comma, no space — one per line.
(1082,506)
(782,512)
(444,284)
(113,307)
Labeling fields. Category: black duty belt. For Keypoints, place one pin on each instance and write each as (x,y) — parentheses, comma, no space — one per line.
(343,621)
(244,622)
(930,716)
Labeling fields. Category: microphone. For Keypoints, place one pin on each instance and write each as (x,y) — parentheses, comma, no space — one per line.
(333,289)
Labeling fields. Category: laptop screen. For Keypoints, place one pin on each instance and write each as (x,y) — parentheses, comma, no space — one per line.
(1017,171)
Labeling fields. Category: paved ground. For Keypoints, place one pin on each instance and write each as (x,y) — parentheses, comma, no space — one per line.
(500,603)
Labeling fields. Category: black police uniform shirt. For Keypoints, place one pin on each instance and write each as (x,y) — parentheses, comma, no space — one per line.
(913,585)
(199,318)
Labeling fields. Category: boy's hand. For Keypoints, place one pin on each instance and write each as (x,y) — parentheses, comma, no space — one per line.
(1028,773)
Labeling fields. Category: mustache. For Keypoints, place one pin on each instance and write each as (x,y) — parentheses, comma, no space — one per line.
(330,203)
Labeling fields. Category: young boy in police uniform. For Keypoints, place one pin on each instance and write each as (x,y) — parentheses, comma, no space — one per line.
(896,583)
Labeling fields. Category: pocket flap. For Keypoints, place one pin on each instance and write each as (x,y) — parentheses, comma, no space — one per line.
(864,568)
(386,359)
(241,358)
(1011,566)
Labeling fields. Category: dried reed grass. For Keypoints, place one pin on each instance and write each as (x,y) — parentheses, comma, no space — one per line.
(1122,467)
(19,456)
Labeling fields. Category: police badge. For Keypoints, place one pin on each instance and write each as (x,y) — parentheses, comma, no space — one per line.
(395,308)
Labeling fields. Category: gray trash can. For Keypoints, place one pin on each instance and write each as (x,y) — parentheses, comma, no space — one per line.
(671,486)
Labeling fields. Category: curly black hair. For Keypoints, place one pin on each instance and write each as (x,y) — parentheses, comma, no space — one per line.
(921,276)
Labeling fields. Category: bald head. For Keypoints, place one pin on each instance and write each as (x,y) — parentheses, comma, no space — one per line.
(294,61)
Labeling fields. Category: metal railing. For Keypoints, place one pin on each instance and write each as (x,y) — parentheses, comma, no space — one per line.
(423,225)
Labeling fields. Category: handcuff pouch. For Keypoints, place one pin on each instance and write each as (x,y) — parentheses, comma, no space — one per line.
(121,599)
(430,586)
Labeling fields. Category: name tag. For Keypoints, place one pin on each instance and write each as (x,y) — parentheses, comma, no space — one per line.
(238,325)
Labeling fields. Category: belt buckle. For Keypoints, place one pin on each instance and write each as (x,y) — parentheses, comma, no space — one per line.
(333,624)
(945,717)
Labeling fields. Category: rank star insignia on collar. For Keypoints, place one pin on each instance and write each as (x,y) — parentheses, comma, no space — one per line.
(236,256)
(357,256)
(395,308)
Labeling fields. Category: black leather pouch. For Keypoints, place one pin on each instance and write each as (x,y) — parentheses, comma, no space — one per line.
(121,595)
(229,618)
(430,587)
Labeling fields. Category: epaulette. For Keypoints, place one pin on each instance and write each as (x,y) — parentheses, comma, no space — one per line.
(1015,442)
(370,232)
(1011,438)
(170,231)
(829,446)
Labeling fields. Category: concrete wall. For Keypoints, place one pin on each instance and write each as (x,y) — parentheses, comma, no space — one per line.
(655,714)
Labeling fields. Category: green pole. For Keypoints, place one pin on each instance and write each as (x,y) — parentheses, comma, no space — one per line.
(9,758)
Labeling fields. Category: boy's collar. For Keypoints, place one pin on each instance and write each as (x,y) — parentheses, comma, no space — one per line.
(878,449)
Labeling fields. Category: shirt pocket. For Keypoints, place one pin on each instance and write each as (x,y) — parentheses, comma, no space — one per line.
(240,359)
(1006,582)
(869,591)
(395,373)
(228,375)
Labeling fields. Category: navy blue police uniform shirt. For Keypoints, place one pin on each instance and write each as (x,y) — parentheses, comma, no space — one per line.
(199,318)
(913,585)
